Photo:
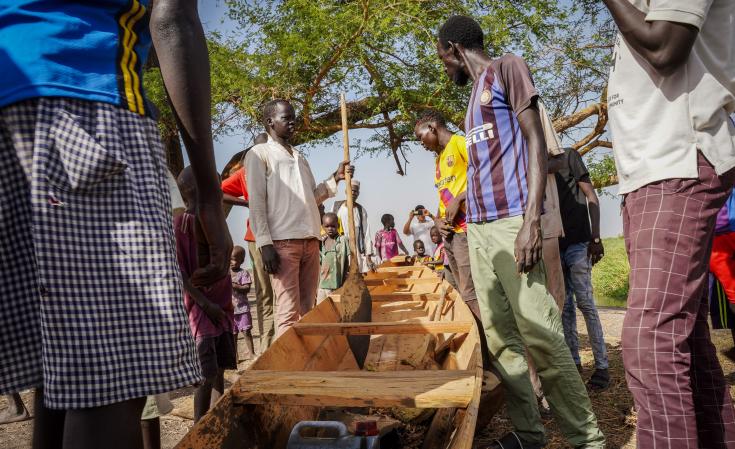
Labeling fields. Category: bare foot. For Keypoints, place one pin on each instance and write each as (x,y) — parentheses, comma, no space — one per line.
(9,415)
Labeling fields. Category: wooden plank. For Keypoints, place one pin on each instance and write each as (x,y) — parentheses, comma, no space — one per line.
(411,281)
(415,389)
(425,327)
(408,297)
(399,269)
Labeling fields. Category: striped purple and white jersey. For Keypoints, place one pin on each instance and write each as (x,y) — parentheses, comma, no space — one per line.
(497,150)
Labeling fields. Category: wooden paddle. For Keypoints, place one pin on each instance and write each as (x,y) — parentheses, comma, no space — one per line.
(355,300)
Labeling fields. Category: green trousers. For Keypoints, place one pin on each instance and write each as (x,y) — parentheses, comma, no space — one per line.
(518,312)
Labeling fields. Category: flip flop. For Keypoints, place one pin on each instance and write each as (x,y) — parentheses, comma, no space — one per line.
(513,441)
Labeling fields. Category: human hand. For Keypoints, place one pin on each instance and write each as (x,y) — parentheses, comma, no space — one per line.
(450,214)
(344,166)
(211,221)
(528,245)
(446,228)
(595,251)
(271,261)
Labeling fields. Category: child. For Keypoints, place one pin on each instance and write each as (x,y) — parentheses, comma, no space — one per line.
(210,309)
(438,256)
(241,281)
(387,240)
(420,255)
(333,257)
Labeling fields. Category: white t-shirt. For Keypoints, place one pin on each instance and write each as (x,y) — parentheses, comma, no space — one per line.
(658,123)
(422,231)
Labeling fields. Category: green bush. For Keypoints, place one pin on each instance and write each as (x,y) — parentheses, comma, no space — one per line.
(610,275)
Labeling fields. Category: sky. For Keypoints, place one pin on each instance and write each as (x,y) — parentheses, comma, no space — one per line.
(382,189)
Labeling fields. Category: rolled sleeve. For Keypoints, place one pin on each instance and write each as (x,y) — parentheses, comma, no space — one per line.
(690,12)
(325,190)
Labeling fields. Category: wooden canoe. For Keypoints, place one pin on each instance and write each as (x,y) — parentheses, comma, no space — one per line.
(424,354)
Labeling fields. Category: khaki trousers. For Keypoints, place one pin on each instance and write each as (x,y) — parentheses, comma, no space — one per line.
(263,298)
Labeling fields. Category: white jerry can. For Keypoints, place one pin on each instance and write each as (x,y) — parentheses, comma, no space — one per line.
(343,440)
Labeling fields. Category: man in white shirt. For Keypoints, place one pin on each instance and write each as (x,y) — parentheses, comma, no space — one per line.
(671,90)
(284,214)
(362,228)
(421,229)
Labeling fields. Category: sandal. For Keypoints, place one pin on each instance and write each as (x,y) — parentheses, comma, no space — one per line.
(600,380)
(513,441)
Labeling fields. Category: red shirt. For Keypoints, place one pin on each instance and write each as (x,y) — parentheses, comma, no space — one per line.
(236,185)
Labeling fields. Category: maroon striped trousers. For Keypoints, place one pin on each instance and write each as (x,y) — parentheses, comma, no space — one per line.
(671,365)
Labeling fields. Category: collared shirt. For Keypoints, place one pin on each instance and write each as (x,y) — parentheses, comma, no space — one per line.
(283,194)
(498,153)
(659,123)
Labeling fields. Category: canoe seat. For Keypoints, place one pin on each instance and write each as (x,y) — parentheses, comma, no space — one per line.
(415,389)
(417,297)
(378,328)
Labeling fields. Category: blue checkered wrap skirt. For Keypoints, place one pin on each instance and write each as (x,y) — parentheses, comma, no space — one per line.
(90,294)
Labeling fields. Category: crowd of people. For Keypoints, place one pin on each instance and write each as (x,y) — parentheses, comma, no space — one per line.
(117,294)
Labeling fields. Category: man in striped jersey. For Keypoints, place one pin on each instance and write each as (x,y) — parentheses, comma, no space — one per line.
(506,177)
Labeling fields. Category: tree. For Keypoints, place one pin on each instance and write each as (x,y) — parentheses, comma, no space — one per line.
(382,52)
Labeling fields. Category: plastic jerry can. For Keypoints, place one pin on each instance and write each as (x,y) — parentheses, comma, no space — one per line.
(344,440)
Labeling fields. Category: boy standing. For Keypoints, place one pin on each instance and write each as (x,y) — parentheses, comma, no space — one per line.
(210,308)
(333,257)
(284,215)
(241,281)
(581,248)
(235,193)
(505,185)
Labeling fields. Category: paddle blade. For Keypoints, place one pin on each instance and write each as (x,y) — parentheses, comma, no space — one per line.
(357,308)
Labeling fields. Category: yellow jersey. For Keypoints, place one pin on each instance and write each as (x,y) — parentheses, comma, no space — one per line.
(451,178)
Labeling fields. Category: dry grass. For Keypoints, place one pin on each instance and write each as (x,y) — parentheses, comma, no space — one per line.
(614,407)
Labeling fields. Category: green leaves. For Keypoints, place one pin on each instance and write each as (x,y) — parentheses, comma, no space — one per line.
(382,52)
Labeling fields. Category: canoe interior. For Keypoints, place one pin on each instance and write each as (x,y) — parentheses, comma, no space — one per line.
(408,329)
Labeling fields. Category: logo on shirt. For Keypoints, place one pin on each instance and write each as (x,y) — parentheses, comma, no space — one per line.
(480,134)
(450,161)
(486,97)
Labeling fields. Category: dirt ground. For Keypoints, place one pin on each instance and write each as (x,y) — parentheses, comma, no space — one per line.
(613,407)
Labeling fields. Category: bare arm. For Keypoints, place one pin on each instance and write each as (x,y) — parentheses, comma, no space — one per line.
(241,287)
(213,311)
(235,201)
(664,45)
(407,226)
(402,247)
(596,250)
(529,241)
(182,54)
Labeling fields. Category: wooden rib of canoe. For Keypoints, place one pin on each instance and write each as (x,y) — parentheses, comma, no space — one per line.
(424,354)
